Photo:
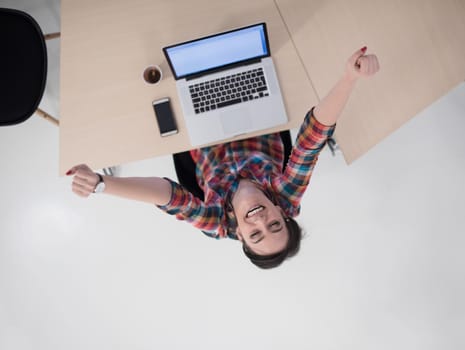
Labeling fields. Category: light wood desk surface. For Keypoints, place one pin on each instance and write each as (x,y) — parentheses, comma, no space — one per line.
(106,112)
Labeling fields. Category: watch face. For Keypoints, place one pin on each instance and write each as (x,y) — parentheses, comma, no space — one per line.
(100,187)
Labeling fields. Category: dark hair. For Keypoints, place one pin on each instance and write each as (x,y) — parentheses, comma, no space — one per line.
(274,260)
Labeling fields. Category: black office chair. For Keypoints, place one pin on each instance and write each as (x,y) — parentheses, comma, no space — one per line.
(23,67)
(185,166)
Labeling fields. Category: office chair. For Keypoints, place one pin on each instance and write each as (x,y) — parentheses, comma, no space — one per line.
(23,67)
(185,166)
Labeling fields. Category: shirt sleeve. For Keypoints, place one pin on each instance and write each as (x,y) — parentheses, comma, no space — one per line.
(185,206)
(310,141)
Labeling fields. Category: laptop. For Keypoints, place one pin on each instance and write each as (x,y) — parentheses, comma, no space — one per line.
(227,84)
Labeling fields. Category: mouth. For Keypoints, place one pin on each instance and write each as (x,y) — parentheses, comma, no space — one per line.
(254,211)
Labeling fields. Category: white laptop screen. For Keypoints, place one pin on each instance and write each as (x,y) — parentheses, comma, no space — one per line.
(218,50)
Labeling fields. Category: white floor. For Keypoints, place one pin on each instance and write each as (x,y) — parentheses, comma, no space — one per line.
(382,266)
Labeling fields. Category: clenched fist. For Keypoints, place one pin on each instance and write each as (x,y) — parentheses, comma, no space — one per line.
(361,65)
(84,180)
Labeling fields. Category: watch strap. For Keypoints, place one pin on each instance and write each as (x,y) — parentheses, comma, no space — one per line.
(100,180)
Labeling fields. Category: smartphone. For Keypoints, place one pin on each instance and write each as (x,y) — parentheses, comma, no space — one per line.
(165,117)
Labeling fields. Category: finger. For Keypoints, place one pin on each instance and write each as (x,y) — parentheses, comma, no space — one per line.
(75,168)
(86,180)
(80,193)
(83,184)
(87,174)
(376,63)
(372,65)
(81,190)
(363,65)
(356,56)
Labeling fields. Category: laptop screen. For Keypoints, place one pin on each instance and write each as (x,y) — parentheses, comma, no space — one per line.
(218,50)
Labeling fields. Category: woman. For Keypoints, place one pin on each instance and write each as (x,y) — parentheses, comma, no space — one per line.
(248,194)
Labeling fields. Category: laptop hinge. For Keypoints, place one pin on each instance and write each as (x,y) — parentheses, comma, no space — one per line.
(219,69)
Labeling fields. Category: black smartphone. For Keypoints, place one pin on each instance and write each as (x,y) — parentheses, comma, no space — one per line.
(165,117)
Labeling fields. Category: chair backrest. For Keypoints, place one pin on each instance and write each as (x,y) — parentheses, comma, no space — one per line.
(185,166)
(23,66)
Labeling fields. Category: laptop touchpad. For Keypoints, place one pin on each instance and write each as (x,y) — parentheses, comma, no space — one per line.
(236,122)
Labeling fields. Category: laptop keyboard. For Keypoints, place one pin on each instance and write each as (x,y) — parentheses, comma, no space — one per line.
(226,91)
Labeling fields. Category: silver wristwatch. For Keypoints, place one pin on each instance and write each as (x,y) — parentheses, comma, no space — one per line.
(100,187)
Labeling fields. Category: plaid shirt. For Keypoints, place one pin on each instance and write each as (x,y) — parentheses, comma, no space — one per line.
(259,159)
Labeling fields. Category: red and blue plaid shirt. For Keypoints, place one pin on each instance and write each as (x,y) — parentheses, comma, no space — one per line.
(259,159)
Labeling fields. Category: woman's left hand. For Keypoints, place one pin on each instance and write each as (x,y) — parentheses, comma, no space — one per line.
(361,65)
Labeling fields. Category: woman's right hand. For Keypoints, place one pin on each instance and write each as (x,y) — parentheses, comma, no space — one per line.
(84,180)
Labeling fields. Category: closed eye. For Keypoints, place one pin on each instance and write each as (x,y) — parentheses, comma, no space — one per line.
(256,237)
(276,226)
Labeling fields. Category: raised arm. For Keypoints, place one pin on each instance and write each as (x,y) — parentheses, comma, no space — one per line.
(154,190)
(318,125)
(359,65)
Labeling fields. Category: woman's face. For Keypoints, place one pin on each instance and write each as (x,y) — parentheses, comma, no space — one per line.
(261,225)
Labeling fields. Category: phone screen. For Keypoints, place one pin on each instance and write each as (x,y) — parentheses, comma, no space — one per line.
(165,118)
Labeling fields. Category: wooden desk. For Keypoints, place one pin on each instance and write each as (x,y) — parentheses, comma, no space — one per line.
(106,113)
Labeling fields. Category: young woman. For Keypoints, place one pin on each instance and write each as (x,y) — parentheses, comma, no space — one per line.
(248,195)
